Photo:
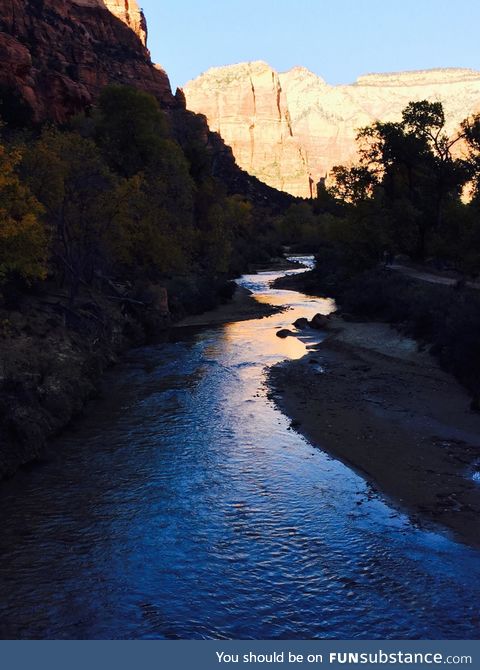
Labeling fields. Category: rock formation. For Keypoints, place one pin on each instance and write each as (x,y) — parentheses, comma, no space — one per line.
(290,129)
(127,11)
(56,55)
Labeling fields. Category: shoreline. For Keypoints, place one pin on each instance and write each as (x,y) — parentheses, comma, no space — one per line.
(367,397)
(54,359)
(242,307)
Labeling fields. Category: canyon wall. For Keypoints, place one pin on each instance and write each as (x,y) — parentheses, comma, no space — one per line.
(289,129)
(127,11)
(56,55)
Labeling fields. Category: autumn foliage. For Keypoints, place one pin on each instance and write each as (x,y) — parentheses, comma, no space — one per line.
(114,196)
(23,236)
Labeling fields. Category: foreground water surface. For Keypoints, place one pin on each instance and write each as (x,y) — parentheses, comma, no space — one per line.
(184,506)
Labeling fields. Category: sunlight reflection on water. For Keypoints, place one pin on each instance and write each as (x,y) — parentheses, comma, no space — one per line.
(184,506)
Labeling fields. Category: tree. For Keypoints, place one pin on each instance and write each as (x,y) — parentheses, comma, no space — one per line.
(412,162)
(23,239)
(68,175)
(133,136)
(471,132)
(142,241)
(130,129)
(353,184)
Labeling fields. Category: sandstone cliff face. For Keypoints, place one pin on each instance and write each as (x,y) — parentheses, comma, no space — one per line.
(127,11)
(56,55)
(290,129)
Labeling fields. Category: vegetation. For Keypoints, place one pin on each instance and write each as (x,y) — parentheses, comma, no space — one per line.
(413,196)
(114,195)
(444,319)
(405,196)
(23,238)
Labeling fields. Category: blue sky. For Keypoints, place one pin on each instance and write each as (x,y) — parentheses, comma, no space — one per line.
(336,39)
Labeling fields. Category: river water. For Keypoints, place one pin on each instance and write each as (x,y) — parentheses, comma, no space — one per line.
(184,506)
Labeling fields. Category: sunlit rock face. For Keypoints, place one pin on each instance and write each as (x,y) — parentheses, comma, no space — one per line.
(289,129)
(57,55)
(127,11)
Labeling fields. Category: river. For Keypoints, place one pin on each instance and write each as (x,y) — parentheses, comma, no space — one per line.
(183,505)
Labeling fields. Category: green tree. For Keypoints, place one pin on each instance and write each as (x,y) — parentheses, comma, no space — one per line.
(471,131)
(352,184)
(412,163)
(130,128)
(143,243)
(134,137)
(69,177)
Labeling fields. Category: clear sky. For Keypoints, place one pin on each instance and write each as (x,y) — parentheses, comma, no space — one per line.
(336,39)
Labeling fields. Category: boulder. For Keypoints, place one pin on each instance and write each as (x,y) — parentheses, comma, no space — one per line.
(402,259)
(284,333)
(320,322)
(156,297)
(301,324)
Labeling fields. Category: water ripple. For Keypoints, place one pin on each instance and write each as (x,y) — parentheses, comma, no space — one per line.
(183,507)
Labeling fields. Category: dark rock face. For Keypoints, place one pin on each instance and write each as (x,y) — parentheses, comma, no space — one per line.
(56,56)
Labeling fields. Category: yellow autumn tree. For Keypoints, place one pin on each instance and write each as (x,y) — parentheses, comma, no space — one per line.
(23,238)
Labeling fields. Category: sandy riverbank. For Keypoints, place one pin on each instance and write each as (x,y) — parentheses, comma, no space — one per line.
(369,398)
(242,307)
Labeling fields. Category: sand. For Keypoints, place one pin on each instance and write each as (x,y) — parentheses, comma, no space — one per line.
(369,398)
(242,307)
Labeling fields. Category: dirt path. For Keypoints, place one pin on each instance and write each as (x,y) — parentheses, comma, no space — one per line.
(430,277)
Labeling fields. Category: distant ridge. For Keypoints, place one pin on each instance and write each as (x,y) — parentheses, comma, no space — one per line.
(290,128)
(419,77)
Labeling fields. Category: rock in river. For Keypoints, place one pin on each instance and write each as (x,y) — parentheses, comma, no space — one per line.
(284,333)
(320,322)
(301,324)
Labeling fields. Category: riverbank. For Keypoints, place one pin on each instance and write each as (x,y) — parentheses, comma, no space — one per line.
(241,307)
(443,319)
(369,398)
(53,354)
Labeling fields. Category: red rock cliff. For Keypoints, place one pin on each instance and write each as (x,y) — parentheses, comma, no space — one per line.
(56,55)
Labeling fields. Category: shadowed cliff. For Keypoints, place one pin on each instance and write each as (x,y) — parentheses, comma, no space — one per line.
(57,55)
